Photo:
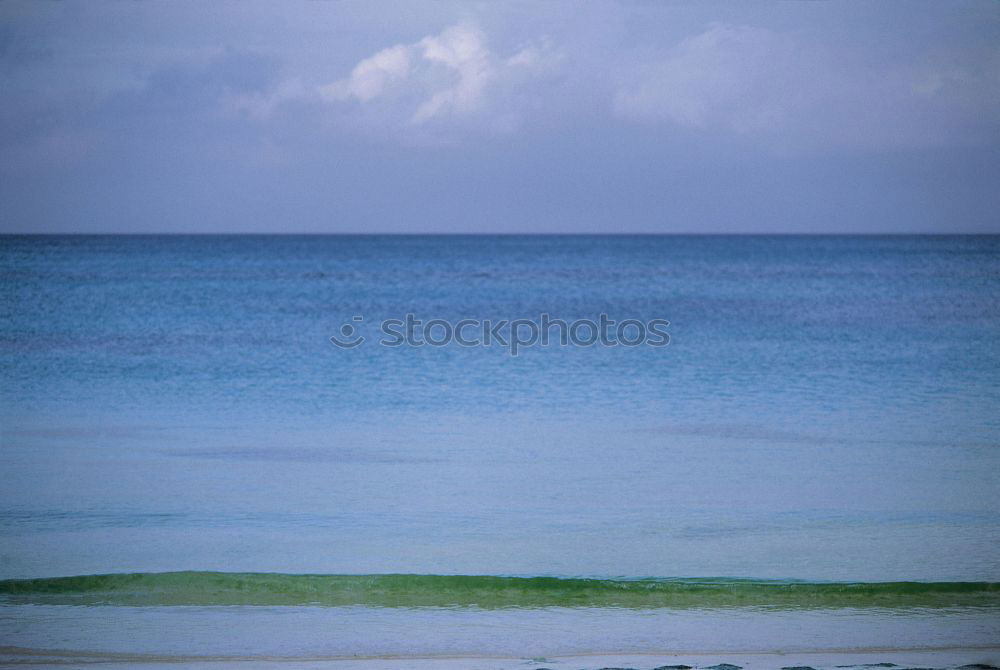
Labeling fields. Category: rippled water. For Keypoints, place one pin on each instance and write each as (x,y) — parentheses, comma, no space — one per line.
(826,410)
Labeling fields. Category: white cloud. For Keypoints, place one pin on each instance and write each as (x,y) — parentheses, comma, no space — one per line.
(372,76)
(777,87)
(723,74)
(461,50)
(449,76)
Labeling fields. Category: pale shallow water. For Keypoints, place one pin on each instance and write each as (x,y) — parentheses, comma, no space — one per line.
(320,632)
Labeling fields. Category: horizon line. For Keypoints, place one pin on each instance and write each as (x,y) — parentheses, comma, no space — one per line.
(496,234)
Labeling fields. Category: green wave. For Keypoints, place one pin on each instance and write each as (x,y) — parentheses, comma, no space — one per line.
(223,588)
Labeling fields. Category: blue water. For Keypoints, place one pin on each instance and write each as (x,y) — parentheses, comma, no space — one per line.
(828,408)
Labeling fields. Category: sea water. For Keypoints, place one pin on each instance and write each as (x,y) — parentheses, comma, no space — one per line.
(810,463)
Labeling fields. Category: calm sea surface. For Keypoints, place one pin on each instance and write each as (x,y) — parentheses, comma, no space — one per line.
(827,410)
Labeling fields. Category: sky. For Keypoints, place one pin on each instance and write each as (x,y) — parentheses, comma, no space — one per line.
(500,117)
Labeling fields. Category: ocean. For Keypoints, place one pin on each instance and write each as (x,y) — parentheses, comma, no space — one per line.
(227,450)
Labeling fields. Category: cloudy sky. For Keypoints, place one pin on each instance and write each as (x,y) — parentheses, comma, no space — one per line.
(550,116)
